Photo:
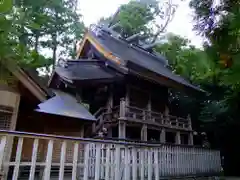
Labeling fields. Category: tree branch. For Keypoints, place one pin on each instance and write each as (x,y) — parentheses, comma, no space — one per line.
(169,15)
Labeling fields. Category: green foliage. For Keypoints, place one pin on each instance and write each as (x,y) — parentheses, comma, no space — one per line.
(134,17)
(11,51)
(5,6)
(53,25)
(220,26)
(150,18)
(219,23)
(184,59)
(28,26)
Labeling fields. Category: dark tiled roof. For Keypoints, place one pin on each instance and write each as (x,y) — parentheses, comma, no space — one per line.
(137,55)
(86,69)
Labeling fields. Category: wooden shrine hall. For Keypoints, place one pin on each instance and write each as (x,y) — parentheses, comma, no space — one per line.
(105,115)
(126,87)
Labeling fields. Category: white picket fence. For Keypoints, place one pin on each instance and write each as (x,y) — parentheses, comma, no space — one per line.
(40,156)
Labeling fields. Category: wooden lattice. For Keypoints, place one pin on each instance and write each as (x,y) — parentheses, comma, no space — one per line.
(5,119)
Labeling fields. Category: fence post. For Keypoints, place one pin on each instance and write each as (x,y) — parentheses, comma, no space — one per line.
(142,161)
(117,163)
(134,163)
(156,164)
(2,150)
(48,164)
(34,158)
(86,161)
(127,164)
(107,174)
(62,160)
(150,170)
(75,161)
(97,162)
(18,158)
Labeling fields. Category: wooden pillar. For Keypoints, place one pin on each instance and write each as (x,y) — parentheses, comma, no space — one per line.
(81,131)
(110,100)
(122,113)
(189,122)
(190,138)
(149,105)
(94,127)
(109,132)
(144,133)
(80,153)
(163,135)
(127,95)
(190,135)
(122,129)
(178,138)
(149,108)
(124,102)
(166,114)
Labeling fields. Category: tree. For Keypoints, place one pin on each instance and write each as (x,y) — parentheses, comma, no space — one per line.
(219,24)
(13,42)
(147,17)
(51,24)
(64,25)
(55,24)
(189,62)
(27,25)
(185,59)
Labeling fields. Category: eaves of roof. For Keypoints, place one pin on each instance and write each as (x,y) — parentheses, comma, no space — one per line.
(122,53)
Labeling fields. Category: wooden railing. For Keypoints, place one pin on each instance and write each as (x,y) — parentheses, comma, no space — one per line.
(37,156)
(104,115)
(143,115)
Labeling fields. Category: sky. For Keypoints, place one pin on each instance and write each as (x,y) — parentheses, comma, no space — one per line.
(93,10)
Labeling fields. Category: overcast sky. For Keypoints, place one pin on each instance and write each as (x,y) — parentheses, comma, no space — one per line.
(93,10)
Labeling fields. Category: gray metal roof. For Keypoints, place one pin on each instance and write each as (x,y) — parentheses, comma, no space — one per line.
(65,105)
(137,55)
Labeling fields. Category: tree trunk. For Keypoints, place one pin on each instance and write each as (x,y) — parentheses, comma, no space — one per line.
(54,40)
(36,41)
(54,57)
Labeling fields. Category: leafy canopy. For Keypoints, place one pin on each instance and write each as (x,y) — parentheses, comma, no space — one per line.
(27,27)
(150,18)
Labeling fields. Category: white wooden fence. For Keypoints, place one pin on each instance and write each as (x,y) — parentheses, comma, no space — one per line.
(37,156)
